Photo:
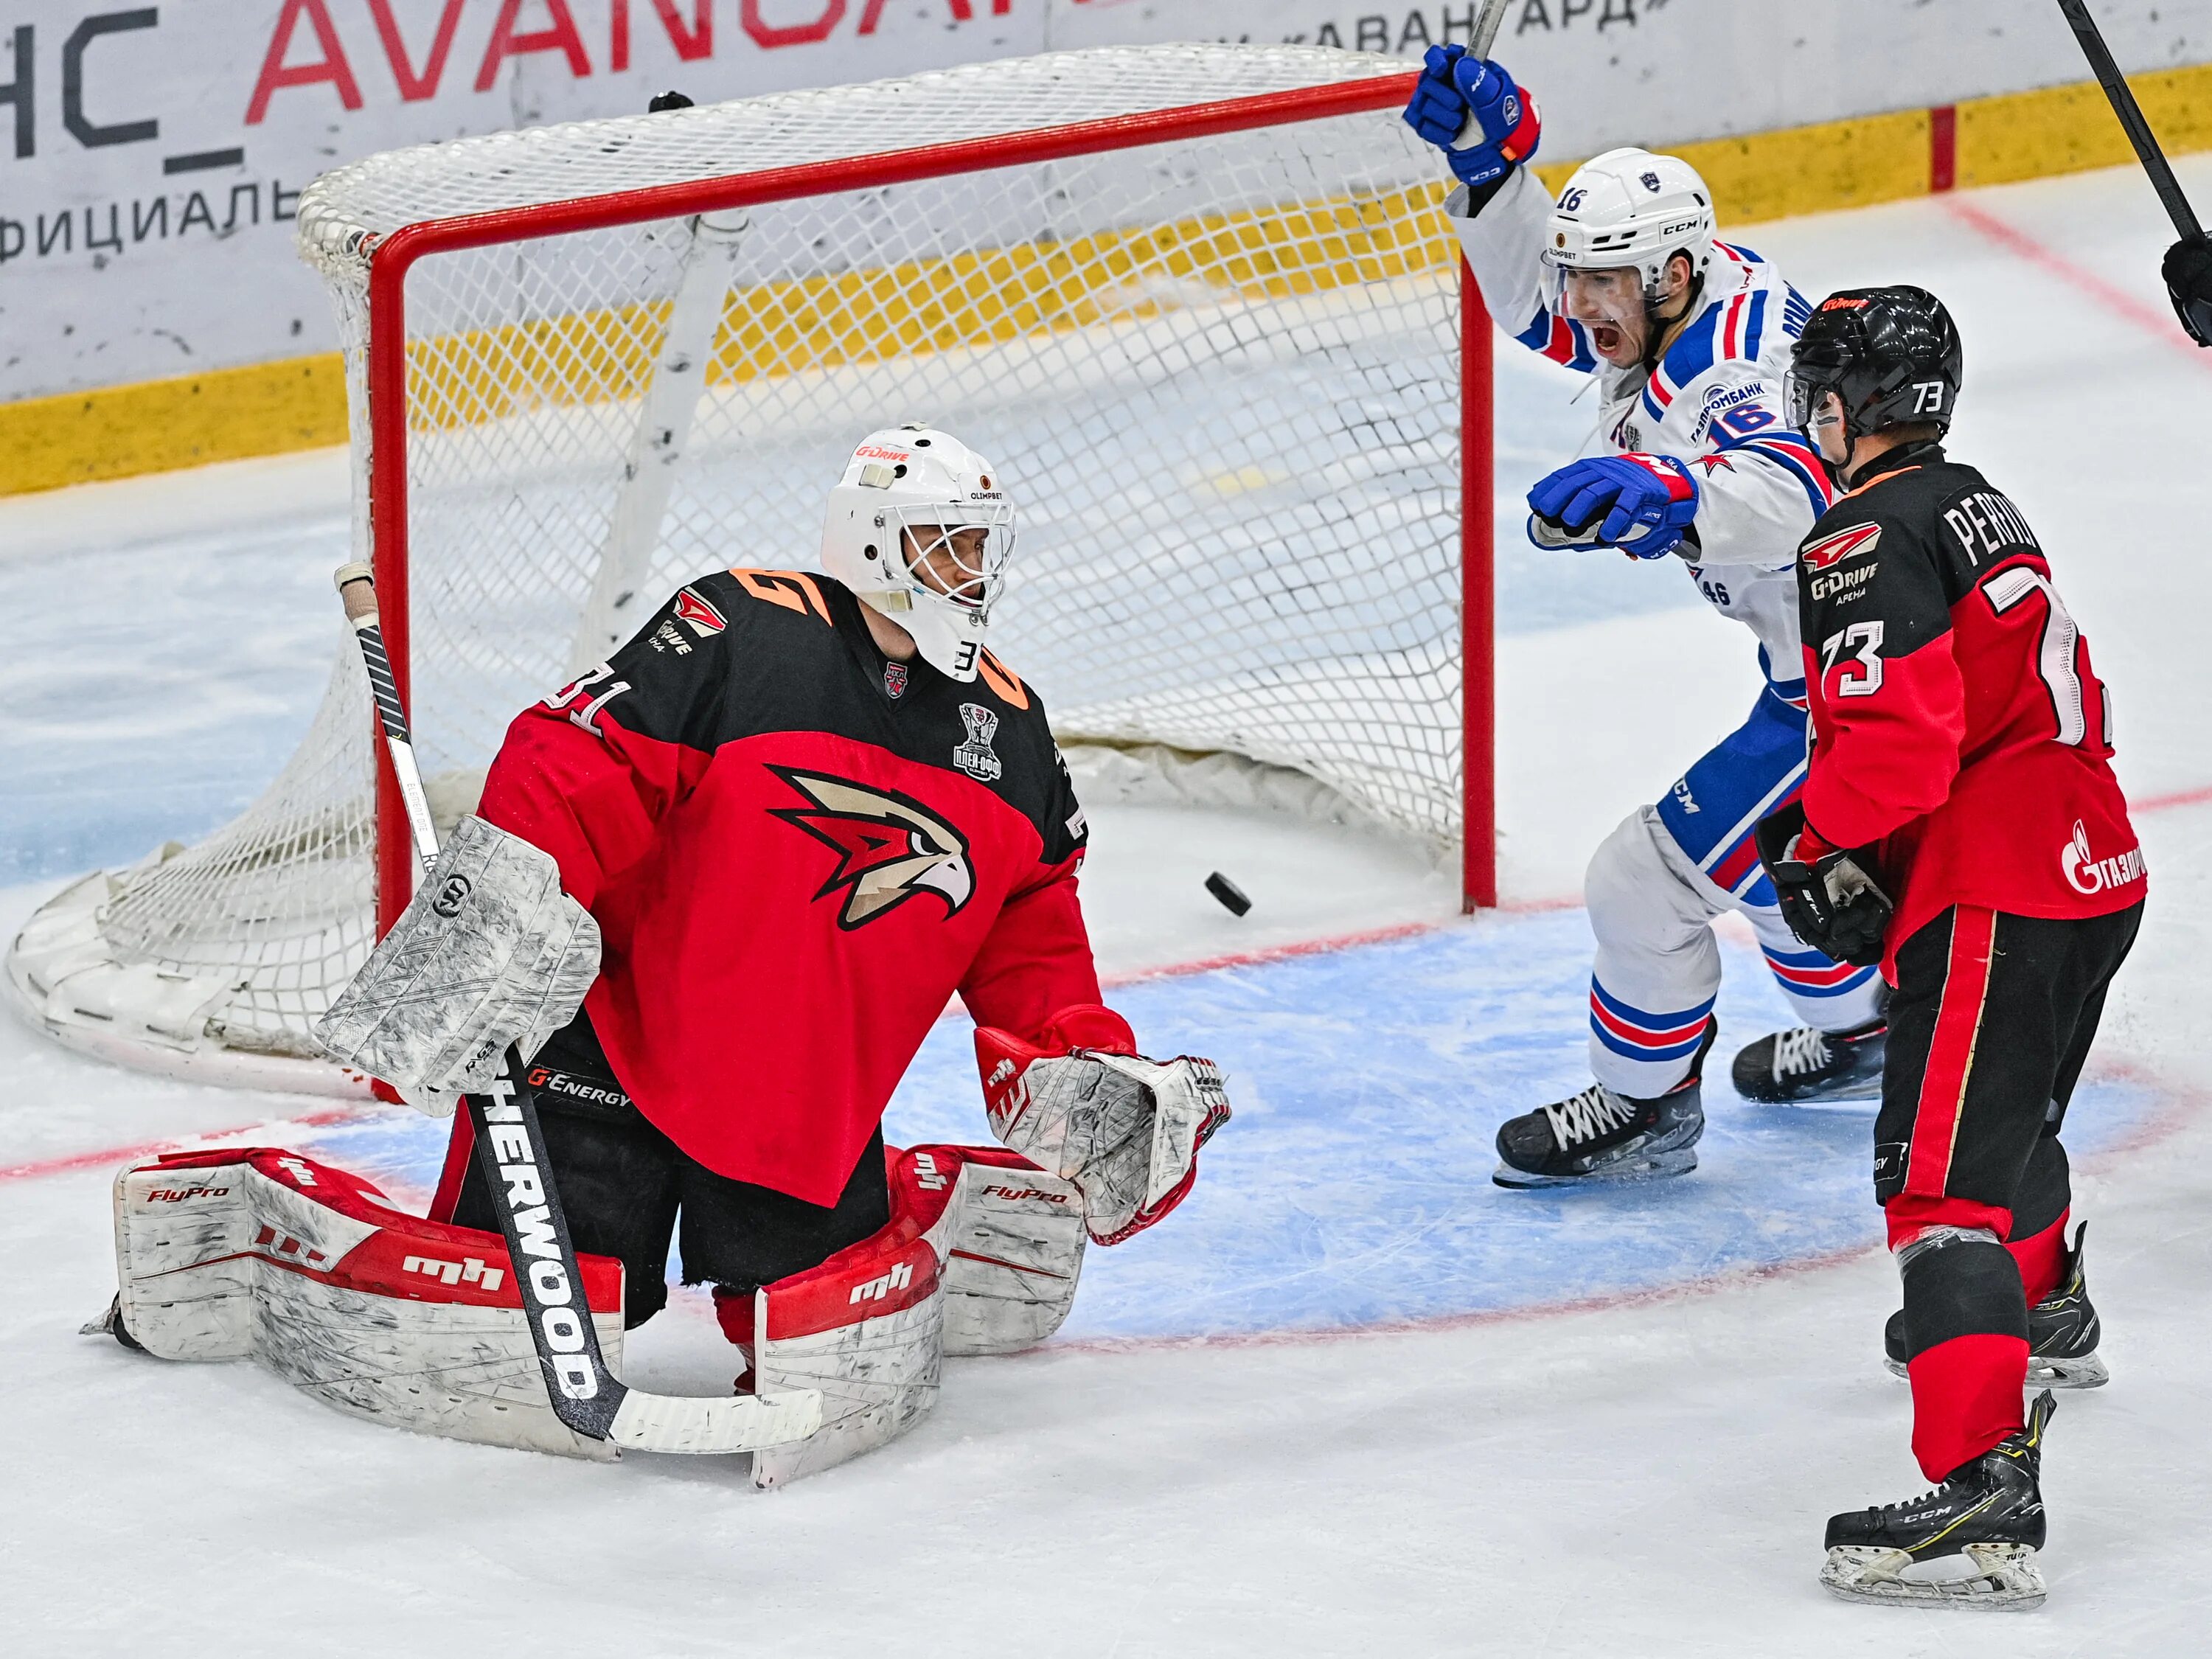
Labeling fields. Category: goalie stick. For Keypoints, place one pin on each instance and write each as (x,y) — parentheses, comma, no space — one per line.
(585,1395)
(2091,41)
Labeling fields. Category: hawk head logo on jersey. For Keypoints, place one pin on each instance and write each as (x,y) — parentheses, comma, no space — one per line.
(1832,551)
(890,847)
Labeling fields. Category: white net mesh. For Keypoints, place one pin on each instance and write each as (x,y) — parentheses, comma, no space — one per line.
(1219,375)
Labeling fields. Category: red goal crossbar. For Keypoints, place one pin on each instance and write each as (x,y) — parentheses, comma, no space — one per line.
(392,257)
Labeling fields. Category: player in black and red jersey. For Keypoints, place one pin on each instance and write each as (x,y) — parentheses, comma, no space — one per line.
(797,812)
(1961,826)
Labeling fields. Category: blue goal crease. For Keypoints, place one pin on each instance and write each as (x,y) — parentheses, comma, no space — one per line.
(1352,1189)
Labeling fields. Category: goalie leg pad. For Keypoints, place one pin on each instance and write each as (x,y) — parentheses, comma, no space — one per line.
(1010,1244)
(982,1256)
(867,1328)
(261,1253)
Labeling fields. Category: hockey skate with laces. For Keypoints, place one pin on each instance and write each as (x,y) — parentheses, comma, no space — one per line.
(1601,1135)
(1805,1065)
(1990,1511)
(2062,1332)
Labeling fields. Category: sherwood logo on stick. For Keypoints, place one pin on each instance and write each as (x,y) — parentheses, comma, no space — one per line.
(550,1299)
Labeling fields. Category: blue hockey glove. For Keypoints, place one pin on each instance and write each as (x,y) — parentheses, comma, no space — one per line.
(1641,504)
(1469,108)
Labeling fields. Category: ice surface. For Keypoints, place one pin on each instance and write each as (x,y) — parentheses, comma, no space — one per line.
(1619,1420)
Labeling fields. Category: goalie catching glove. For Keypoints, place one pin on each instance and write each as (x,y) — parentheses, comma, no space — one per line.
(1124,1129)
(489,953)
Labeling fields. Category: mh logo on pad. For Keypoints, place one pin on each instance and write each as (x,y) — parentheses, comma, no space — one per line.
(472,1270)
(876,1289)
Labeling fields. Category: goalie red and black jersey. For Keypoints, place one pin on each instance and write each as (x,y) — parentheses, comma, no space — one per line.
(1959,730)
(797,851)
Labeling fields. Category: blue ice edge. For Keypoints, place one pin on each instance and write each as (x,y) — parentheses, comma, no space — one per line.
(1353,1189)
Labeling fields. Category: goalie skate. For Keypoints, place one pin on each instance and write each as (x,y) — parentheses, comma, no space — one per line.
(1989,1513)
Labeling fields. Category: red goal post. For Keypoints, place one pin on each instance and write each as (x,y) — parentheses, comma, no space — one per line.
(1195,302)
(390,257)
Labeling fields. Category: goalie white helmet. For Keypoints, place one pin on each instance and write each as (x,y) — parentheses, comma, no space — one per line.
(893,534)
(1630,208)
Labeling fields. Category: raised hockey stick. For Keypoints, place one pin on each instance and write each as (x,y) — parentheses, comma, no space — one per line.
(1485,26)
(586,1394)
(2091,41)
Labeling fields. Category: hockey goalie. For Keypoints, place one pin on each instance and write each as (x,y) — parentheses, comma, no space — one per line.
(720,888)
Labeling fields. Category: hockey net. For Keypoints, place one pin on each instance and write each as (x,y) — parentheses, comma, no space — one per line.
(1194,303)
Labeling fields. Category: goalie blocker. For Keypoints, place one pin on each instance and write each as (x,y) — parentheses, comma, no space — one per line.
(264,1254)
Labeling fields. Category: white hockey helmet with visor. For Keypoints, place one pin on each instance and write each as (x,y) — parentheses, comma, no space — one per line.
(1630,209)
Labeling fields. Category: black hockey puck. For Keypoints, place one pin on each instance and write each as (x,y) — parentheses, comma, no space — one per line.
(1231,894)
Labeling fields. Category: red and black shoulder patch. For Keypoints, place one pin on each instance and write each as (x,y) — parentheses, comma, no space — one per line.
(693,608)
(1832,551)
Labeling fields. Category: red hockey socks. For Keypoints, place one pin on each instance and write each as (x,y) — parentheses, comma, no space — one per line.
(1966,1332)
(1966,1396)
(2039,1257)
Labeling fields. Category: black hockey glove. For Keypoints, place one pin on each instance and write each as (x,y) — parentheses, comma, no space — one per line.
(2188,273)
(1832,903)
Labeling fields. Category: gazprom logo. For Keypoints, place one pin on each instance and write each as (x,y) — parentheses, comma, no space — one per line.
(2087,873)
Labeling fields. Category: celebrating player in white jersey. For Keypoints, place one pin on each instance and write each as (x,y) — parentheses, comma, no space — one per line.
(1689,336)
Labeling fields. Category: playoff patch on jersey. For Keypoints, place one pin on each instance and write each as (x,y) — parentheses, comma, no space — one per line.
(976,757)
(1832,551)
(890,847)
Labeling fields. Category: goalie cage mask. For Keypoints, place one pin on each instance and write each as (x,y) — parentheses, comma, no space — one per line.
(906,495)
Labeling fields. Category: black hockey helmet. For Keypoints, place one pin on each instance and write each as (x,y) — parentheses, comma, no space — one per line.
(1891,355)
